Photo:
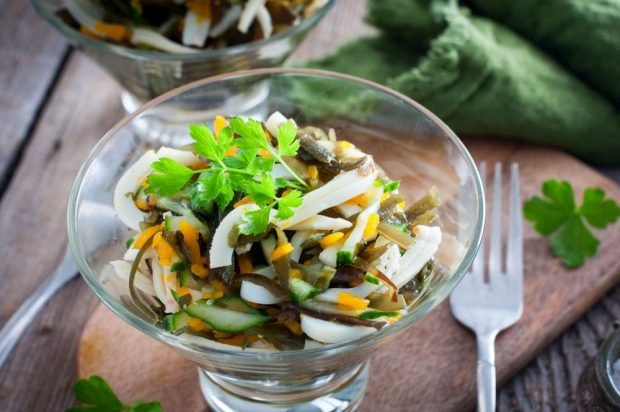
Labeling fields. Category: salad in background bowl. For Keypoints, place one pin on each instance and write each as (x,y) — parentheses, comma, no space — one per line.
(309,176)
(153,46)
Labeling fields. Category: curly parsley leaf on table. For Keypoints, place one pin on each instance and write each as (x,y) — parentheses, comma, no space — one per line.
(95,395)
(557,214)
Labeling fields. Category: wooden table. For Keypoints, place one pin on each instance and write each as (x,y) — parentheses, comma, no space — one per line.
(54,105)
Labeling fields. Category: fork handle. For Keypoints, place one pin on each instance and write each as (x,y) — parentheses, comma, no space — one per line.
(486,371)
(22,318)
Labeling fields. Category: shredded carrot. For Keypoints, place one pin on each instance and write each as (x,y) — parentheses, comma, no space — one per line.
(352,301)
(146,235)
(87,32)
(190,236)
(245,263)
(313,172)
(113,31)
(268,135)
(360,200)
(343,145)
(293,326)
(295,274)
(243,201)
(219,286)
(199,270)
(164,251)
(218,124)
(331,239)
(371,226)
(232,152)
(196,324)
(281,251)
(184,290)
(201,8)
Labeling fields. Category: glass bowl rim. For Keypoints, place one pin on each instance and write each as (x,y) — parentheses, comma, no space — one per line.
(604,364)
(145,55)
(279,356)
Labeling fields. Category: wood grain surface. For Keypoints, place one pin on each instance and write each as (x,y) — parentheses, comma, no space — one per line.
(54,105)
(436,356)
(32,56)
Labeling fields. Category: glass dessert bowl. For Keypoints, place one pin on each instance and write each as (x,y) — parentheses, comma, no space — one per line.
(145,74)
(406,140)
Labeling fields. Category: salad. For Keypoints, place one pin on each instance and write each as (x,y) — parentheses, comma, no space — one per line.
(185,26)
(271,236)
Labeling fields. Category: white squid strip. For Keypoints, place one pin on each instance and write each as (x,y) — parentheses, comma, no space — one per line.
(417,255)
(338,190)
(142,281)
(296,241)
(133,177)
(158,41)
(249,14)
(264,19)
(229,19)
(196,30)
(331,332)
(274,121)
(221,253)
(320,222)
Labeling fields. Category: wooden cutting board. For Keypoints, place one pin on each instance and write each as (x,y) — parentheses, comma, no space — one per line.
(431,367)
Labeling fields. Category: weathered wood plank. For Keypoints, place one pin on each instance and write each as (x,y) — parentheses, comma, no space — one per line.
(31,56)
(38,374)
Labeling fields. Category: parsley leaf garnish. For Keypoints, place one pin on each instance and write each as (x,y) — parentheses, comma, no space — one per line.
(557,213)
(169,177)
(240,170)
(253,136)
(96,395)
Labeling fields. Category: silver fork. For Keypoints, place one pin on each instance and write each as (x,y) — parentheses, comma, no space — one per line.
(488,307)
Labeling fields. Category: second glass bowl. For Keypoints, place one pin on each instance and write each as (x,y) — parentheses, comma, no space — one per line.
(409,142)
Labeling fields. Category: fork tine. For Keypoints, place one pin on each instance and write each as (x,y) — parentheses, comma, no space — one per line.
(514,255)
(477,267)
(495,246)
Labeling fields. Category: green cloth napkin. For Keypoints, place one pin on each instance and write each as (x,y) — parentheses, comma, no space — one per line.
(583,35)
(480,78)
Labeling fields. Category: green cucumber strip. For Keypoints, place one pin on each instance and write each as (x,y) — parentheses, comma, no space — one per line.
(178,267)
(176,321)
(130,242)
(390,187)
(300,290)
(182,300)
(372,279)
(344,257)
(225,320)
(375,314)
(187,279)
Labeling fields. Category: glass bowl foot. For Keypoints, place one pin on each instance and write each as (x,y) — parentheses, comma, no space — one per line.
(345,397)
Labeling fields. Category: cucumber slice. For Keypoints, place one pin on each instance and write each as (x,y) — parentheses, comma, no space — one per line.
(176,321)
(187,279)
(227,314)
(376,314)
(344,257)
(300,290)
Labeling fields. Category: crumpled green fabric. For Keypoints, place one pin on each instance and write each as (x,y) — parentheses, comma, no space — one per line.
(582,35)
(480,78)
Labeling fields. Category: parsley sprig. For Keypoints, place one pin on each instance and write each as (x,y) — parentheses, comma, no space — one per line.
(95,394)
(557,213)
(242,171)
